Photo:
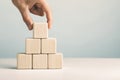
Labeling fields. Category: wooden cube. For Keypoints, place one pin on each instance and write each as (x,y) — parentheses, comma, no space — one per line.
(24,61)
(40,30)
(49,45)
(40,61)
(33,46)
(55,61)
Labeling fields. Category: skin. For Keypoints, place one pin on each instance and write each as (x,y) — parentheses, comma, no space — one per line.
(37,7)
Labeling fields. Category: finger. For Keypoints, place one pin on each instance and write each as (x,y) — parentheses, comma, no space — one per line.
(27,19)
(49,18)
(48,14)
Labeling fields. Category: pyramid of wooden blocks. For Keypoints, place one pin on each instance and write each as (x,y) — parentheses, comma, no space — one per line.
(40,52)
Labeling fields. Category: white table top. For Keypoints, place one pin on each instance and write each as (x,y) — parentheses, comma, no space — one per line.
(74,69)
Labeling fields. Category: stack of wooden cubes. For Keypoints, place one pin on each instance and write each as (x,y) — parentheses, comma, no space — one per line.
(40,51)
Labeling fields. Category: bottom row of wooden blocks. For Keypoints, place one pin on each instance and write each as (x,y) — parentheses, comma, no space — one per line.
(39,61)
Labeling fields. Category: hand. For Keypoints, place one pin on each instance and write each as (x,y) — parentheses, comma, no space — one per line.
(37,7)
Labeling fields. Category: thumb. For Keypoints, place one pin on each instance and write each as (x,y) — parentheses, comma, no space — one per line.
(27,19)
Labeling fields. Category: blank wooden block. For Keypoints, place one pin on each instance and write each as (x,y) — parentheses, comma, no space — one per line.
(40,30)
(49,45)
(33,46)
(55,61)
(24,61)
(40,61)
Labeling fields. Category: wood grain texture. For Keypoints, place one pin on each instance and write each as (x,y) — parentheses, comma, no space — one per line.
(40,61)
(55,61)
(33,46)
(24,61)
(49,45)
(40,30)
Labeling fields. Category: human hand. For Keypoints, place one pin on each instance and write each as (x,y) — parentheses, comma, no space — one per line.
(37,7)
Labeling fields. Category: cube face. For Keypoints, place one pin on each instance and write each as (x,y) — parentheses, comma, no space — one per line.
(55,61)
(49,45)
(33,46)
(40,61)
(40,30)
(24,61)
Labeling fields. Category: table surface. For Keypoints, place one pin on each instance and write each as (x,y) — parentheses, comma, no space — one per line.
(73,69)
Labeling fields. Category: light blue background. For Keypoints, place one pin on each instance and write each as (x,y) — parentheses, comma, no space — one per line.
(83,28)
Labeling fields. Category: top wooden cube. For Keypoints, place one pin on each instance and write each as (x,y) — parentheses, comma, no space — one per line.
(40,30)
